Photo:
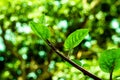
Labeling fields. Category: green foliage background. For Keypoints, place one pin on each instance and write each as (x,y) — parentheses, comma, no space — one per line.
(24,56)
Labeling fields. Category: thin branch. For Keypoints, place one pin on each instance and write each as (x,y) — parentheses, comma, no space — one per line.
(93,4)
(111,73)
(71,62)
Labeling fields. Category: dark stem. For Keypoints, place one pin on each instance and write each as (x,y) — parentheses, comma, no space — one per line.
(71,62)
(111,73)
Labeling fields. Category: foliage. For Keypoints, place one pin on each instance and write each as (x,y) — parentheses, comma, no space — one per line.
(20,48)
(40,29)
(107,61)
(110,60)
(75,38)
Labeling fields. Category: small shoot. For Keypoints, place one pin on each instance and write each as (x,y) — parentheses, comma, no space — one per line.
(109,61)
(40,29)
(75,38)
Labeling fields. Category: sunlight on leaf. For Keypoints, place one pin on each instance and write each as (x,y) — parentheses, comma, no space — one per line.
(75,38)
(40,29)
(110,60)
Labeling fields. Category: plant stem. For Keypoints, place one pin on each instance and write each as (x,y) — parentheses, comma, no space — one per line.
(85,72)
(111,73)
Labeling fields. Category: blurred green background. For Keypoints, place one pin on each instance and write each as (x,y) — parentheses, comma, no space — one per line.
(24,56)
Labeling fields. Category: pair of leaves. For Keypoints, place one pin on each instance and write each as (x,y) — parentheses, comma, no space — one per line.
(72,41)
(110,60)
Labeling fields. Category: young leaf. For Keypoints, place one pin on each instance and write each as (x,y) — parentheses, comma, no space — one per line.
(42,19)
(40,29)
(110,60)
(75,38)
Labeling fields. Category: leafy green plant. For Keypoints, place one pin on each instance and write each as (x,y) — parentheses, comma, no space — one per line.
(72,41)
(109,61)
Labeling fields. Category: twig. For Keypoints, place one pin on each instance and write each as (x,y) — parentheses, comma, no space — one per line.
(111,73)
(93,4)
(71,62)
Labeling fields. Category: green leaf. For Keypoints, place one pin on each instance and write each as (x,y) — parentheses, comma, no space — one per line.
(42,19)
(40,29)
(75,38)
(110,60)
